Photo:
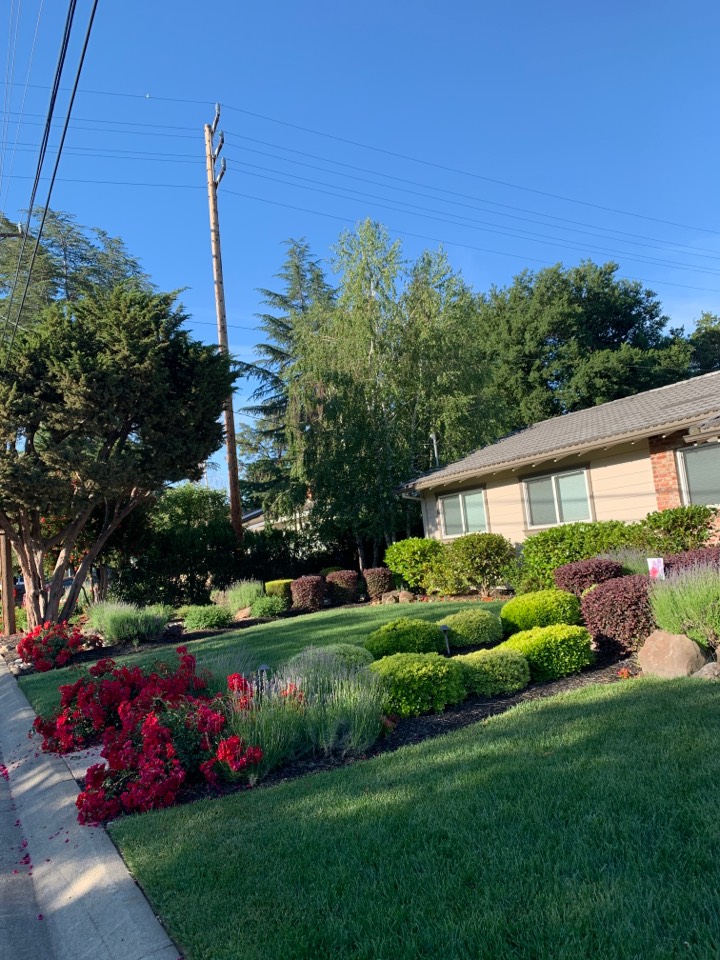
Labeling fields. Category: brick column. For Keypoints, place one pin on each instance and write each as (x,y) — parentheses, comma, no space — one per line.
(664,469)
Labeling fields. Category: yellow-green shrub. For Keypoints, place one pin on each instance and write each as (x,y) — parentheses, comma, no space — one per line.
(540,609)
(420,682)
(474,627)
(279,588)
(491,672)
(405,635)
(553,651)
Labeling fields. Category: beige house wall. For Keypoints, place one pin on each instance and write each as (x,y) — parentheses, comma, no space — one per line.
(620,481)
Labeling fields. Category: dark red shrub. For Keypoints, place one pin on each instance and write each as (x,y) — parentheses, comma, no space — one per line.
(342,586)
(702,556)
(578,576)
(378,581)
(617,613)
(308,593)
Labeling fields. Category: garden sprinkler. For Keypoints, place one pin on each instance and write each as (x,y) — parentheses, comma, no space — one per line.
(446,630)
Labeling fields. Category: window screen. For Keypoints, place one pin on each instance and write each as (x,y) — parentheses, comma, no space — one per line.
(541,502)
(572,496)
(452,516)
(475,512)
(702,469)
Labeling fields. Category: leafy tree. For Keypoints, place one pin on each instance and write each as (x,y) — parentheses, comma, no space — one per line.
(565,339)
(263,446)
(176,549)
(705,344)
(108,400)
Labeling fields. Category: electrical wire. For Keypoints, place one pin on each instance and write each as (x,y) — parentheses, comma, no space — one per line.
(76,84)
(41,156)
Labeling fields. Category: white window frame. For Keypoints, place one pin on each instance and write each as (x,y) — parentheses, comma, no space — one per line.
(462,494)
(682,473)
(552,476)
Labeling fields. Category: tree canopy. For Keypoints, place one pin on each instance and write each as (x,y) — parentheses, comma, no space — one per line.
(107,401)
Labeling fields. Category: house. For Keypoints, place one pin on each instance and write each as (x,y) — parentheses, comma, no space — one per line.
(617,461)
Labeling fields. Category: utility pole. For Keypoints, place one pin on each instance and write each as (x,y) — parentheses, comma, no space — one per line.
(213,181)
(8,587)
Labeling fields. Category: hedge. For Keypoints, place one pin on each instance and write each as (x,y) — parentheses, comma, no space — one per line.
(378,580)
(420,682)
(308,593)
(412,559)
(554,651)
(405,635)
(540,609)
(618,613)
(279,588)
(492,672)
(470,628)
(578,577)
(342,586)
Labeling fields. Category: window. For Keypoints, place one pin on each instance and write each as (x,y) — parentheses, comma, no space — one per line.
(701,468)
(463,513)
(558,498)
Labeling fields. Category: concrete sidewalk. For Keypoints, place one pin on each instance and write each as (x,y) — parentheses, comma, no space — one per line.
(72,897)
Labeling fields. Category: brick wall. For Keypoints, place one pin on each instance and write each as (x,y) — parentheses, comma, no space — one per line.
(664,469)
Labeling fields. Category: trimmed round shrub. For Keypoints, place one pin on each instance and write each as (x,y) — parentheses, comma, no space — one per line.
(347,655)
(308,593)
(420,682)
(540,609)
(702,557)
(267,606)
(405,635)
(378,580)
(210,617)
(471,628)
(279,588)
(618,613)
(553,651)
(342,586)
(491,672)
(479,560)
(578,577)
(412,559)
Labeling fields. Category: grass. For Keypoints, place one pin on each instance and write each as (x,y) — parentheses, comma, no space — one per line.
(580,826)
(267,643)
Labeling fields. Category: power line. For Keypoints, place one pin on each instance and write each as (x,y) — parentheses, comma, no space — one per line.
(76,83)
(41,156)
(407,157)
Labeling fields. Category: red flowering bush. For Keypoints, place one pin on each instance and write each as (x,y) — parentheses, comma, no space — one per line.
(51,645)
(702,556)
(308,593)
(158,731)
(342,586)
(378,580)
(618,613)
(579,576)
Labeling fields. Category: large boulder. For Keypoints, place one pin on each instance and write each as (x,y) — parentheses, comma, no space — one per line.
(405,596)
(670,655)
(392,596)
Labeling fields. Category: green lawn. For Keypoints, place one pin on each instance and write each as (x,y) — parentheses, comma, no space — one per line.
(583,826)
(269,643)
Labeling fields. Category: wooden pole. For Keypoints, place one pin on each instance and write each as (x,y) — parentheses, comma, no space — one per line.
(8,587)
(230,440)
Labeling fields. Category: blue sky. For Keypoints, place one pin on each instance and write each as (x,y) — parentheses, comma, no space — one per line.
(510,106)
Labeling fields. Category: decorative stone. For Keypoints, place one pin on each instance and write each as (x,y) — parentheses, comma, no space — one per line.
(711,671)
(404,596)
(392,596)
(4,648)
(243,614)
(670,655)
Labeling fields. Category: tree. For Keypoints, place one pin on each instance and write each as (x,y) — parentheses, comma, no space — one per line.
(176,549)
(705,344)
(108,400)
(263,446)
(565,339)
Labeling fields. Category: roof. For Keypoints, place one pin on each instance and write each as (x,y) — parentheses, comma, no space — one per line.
(642,415)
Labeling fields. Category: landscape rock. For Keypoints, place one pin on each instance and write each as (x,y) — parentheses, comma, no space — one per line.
(670,655)
(392,596)
(404,596)
(243,614)
(711,671)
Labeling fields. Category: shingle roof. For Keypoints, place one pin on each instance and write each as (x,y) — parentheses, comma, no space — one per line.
(641,415)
